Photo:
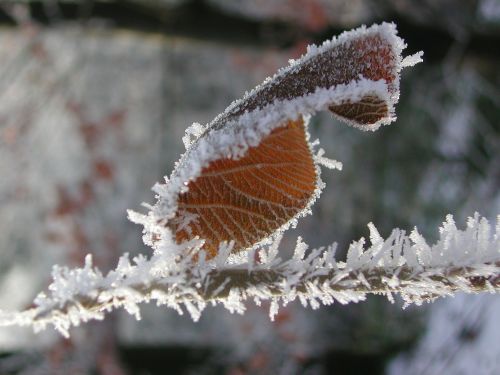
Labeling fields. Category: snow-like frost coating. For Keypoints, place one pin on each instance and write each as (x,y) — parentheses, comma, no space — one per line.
(465,260)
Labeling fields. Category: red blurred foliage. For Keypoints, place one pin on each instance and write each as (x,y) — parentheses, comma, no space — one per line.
(103,170)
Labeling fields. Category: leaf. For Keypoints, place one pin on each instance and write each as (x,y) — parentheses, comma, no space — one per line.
(248,174)
(366,111)
(248,199)
(372,54)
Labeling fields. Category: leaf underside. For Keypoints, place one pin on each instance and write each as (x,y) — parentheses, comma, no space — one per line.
(368,110)
(248,199)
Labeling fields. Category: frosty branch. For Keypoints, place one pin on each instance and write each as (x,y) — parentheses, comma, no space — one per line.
(252,173)
(461,261)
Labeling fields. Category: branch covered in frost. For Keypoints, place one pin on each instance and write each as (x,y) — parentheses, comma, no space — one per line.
(461,261)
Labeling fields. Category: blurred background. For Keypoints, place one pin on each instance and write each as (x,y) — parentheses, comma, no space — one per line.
(94,99)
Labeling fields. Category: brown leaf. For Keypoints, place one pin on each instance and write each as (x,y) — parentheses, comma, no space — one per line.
(248,199)
(369,56)
(368,110)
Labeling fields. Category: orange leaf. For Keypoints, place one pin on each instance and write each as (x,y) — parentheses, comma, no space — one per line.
(248,199)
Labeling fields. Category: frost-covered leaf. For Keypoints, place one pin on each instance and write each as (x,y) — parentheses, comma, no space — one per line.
(252,171)
(249,198)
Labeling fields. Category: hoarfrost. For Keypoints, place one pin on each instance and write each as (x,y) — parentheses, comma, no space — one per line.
(412,59)
(465,260)
(327,162)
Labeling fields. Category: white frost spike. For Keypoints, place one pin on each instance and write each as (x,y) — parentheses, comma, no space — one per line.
(354,254)
(300,249)
(412,59)
(421,250)
(268,257)
(327,162)
(375,237)
(273,309)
